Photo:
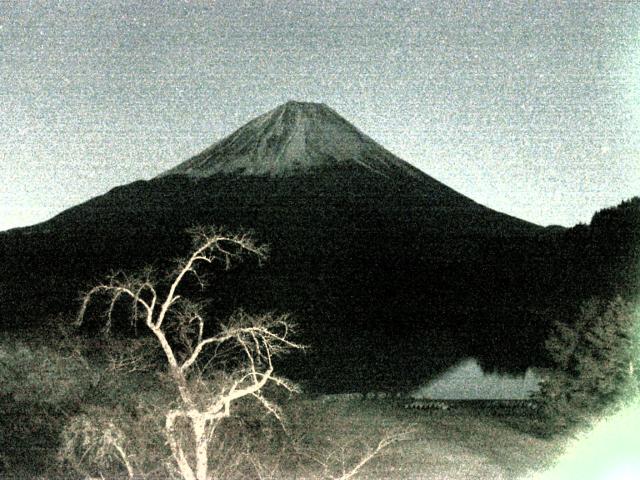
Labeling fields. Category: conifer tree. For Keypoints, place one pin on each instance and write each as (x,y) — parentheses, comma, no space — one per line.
(595,363)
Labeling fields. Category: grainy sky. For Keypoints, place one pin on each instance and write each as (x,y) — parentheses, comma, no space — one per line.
(531,108)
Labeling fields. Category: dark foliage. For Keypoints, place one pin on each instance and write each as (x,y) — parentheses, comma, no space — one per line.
(595,363)
(392,281)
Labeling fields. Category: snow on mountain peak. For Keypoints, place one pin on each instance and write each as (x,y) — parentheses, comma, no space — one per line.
(295,137)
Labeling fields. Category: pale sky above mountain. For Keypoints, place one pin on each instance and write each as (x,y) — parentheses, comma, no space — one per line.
(530,108)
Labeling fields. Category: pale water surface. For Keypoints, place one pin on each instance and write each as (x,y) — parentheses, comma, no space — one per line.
(467,381)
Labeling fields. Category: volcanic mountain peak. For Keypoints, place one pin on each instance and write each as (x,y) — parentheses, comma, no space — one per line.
(292,138)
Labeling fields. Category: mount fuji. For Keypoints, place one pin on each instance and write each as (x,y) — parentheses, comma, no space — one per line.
(392,275)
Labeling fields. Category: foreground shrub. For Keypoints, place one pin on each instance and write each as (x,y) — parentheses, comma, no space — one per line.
(44,375)
(41,386)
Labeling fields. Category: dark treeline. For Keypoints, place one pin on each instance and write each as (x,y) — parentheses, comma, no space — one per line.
(599,261)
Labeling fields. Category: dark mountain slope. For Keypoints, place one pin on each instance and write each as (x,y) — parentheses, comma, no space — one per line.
(392,275)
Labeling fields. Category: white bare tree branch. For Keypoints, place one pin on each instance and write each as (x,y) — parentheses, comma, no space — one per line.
(258,338)
(369,455)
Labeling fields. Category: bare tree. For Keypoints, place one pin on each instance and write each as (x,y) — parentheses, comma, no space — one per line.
(334,460)
(179,327)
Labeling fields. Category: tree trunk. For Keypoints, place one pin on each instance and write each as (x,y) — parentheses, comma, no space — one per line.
(199,431)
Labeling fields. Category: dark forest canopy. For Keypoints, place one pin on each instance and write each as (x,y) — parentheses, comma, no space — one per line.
(606,253)
(407,298)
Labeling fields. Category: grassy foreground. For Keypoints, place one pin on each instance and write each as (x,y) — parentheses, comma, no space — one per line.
(45,386)
(455,444)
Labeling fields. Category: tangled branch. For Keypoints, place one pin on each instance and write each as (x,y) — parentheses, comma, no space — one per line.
(259,339)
